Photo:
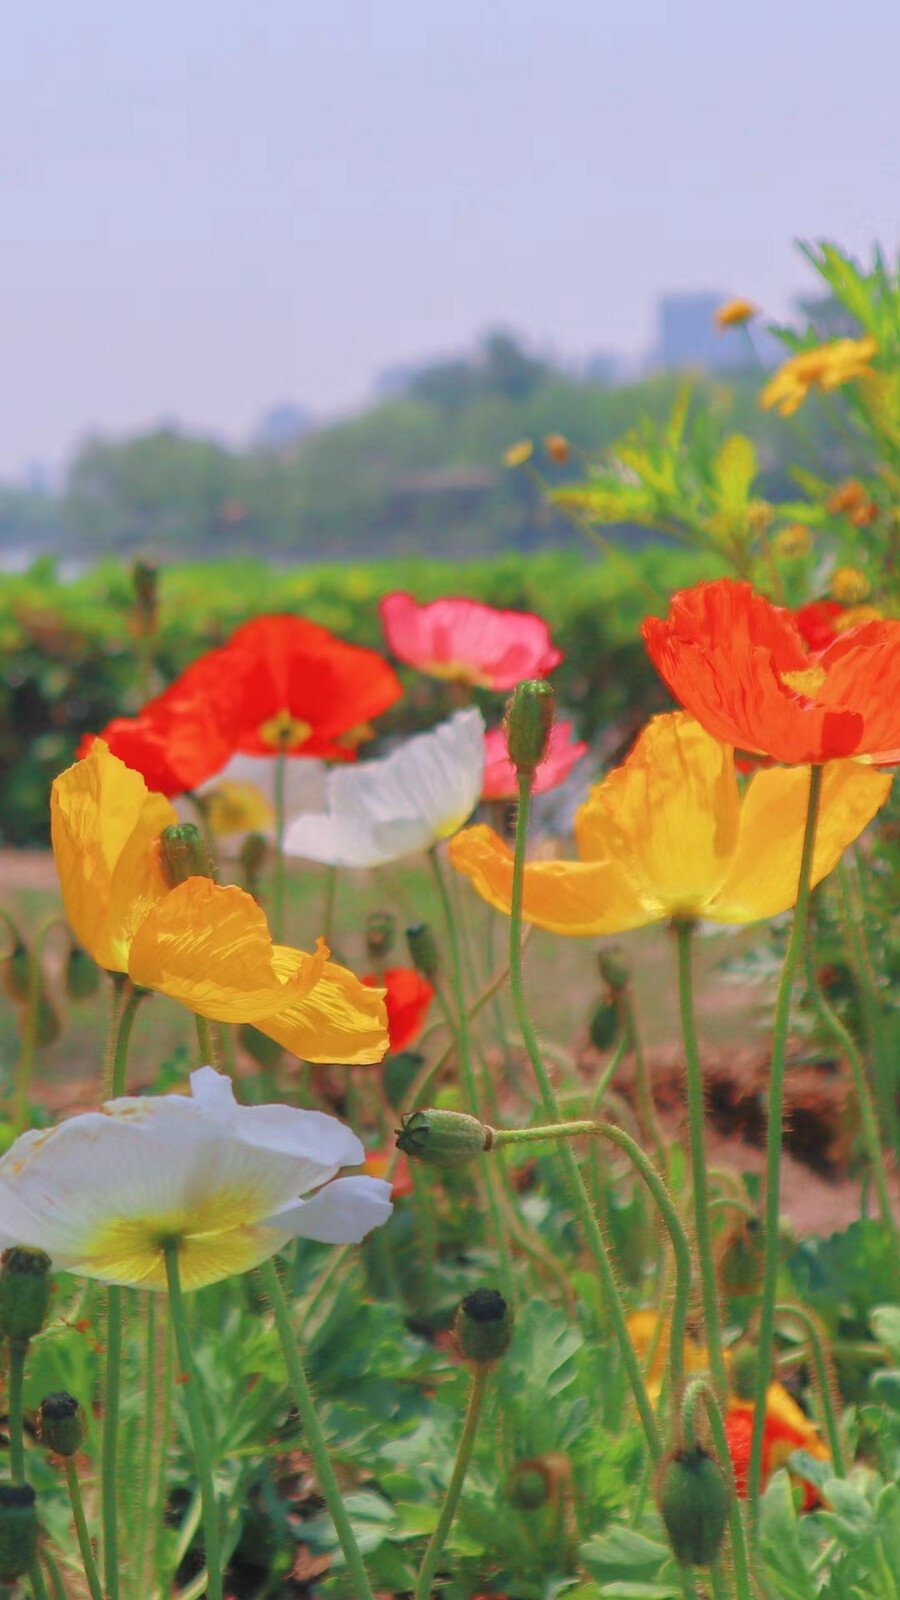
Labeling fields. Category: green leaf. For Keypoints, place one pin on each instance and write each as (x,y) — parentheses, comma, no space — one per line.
(885,1324)
(780,1540)
(623,1554)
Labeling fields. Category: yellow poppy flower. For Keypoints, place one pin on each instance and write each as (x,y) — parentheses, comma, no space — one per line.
(233,807)
(826,367)
(668,835)
(204,945)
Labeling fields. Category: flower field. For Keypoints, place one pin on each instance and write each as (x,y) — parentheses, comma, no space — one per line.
(375,1220)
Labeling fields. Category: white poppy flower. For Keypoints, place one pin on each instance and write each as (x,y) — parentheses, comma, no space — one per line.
(382,810)
(104,1192)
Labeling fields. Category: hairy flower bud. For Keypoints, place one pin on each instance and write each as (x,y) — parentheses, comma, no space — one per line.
(444,1138)
(604,1024)
(24,1292)
(741,1257)
(183,853)
(61,1423)
(693,1502)
(529,1486)
(614,968)
(528,721)
(18,1530)
(381,927)
(82,974)
(482,1327)
(744,1370)
(423,951)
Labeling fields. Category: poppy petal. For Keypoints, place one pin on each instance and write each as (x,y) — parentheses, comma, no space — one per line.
(337,1019)
(463,640)
(579,898)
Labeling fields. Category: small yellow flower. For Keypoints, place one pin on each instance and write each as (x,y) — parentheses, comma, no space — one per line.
(826,367)
(850,586)
(237,808)
(856,616)
(518,454)
(734,313)
(794,540)
(846,496)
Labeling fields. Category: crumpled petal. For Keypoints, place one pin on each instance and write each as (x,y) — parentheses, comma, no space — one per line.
(579,898)
(338,1019)
(341,1213)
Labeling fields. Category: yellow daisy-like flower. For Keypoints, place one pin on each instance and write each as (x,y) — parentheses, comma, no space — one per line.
(850,586)
(826,367)
(734,313)
(204,945)
(667,835)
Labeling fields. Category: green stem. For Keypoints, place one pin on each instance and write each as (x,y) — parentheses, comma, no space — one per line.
(36,1579)
(464,1049)
(124,1024)
(199,1434)
(644,1166)
(853,917)
(150,1422)
(161,1485)
(774,1135)
(278,869)
(32,1010)
(314,1438)
(582,1204)
(697,1391)
(438,1539)
(18,1350)
(696,1119)
(826,1382)
(81,1528)
(206,1042)
(645,1102)
(867,1116)
(109,1493)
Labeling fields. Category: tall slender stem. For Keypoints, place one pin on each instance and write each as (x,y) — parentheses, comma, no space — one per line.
(81,1528)
(698,1391)
(115,1085)
(150,1423)
(18,1350)
(581,1202)
(774,1134)
(277,918)
(696,1118)
(109,1487)
(454,1488)
(206,1042)
(199,1434)
(313,1435)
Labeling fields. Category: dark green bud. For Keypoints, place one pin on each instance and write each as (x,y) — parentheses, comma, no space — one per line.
(24,1292)
(613,968)
(423,952)
(444,1138)
(82,974)
(266,1052)
(381,927)
(741,1258)
(528,721)
(18,1530)
(482,1327)
(604,1024)
(183,853)
(744,1371)
(528,1487)
(48,1026)
(693,1502)
(61,1423)
(17,972)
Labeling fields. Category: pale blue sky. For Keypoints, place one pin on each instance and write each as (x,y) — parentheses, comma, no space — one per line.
(208,207)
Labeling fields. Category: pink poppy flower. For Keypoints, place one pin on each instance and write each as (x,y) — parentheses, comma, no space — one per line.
(500,780)
(463,641)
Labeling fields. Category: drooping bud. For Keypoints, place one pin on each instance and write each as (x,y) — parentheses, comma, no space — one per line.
(18,1530)
(693,1502)
(614,968)
(61,1423)
(183,853)
(82,974)
(24,1292)
(423,951)
(482,1327)
(381,927)
(17,972)
(444,1138)
(529,1486)
(744,1370)
(528,723)
(604,1024)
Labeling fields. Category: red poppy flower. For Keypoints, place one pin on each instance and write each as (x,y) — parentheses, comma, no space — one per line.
(500,776)
(740,666)
(786,1429)
(407,998)
(463,641)
(280,685)
(816,623)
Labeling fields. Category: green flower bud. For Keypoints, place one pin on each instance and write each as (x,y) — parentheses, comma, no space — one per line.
(741,1258)
(444,1138)
(17,972)
(61,1423)
(528,721)
(604,1024)
(183,853)
(48,1026)
(24,1292)
(528,1487)
(82,974)
(381,927)
(744,1371)
(693,1502)
(266,1052)
(18,1530)
(482,1327)
(423,952)
(614,968)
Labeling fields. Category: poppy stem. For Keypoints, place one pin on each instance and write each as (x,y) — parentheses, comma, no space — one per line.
(581,1202)
(81,1528)
(109,1494)
(18,1350)
(199,1433)
(209,1054)
(314,1438)
(466,1445)
(699,1392)
(278,873)
(774,1135)
(684,931)
(125,1022)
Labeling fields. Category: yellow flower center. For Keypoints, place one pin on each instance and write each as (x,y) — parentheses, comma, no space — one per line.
(284,732)
(213,1238)
(807,682)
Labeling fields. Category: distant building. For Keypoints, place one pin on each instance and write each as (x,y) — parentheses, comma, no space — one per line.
(687,336)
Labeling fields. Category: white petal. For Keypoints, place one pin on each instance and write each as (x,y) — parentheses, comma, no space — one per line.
(342,841)
(341,1213)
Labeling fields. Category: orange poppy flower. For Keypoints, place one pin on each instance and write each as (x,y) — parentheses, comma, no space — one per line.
(281,685)
(407,996)
(787,1429)
(740,666)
